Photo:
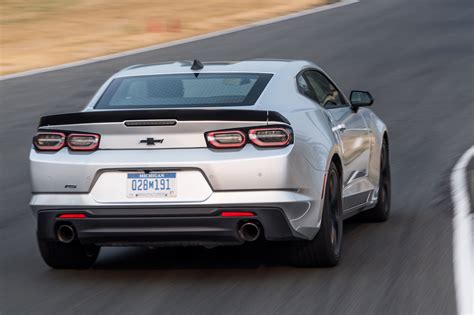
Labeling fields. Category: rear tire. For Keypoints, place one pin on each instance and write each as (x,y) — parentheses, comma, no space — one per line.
(381,211)
(68,256)
(325,249)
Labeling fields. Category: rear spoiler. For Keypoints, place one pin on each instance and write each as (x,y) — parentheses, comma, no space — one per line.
(176,114)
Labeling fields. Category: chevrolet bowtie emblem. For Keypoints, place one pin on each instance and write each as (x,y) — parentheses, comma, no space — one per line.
(151,141)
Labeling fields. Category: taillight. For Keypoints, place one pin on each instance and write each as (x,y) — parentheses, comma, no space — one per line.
(278,136)
(55,141)
(226,139)
(83,141)
(49,141)
(270,137)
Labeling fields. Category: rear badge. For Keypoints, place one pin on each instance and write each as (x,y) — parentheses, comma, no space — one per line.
(151,141)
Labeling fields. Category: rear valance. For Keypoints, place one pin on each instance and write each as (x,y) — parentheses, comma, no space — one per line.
(179,115)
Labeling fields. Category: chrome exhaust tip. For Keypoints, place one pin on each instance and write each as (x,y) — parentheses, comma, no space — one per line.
(65,234)
(249,232)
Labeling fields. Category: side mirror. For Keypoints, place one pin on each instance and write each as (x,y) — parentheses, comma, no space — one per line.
(361,98)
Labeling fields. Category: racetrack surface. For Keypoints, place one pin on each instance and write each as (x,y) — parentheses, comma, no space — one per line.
(416,57)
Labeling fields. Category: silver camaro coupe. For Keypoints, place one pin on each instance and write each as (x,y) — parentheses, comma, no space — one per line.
(207,154)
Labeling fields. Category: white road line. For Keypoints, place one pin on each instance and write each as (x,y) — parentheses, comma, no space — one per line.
(179,42)
(462,236)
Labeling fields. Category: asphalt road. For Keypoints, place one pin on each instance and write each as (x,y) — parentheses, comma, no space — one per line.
(415,56)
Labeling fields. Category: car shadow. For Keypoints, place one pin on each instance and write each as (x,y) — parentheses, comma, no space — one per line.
(247,256)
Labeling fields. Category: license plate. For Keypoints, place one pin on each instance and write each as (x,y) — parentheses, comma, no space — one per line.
(151,185)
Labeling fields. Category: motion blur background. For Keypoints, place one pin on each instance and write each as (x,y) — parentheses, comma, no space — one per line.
(415,56)
(38,33)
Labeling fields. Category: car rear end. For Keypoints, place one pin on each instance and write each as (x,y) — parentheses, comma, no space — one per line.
(186,171)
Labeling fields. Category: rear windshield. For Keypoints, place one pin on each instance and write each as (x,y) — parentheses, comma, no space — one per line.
(184,90)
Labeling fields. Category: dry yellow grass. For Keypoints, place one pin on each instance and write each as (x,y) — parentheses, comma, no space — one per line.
(39,33)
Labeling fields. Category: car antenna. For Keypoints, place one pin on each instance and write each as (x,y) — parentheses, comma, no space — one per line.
(197,65)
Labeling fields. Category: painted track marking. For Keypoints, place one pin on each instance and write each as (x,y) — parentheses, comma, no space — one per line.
(463,251)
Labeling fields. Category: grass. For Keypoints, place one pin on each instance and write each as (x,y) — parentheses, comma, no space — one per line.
(39,33)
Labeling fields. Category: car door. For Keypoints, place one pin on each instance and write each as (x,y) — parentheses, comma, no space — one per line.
(351,129)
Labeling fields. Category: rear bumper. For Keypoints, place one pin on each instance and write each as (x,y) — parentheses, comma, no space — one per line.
(124,227)
(301,212)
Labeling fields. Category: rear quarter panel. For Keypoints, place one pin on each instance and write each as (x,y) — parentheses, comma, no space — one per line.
(377,127)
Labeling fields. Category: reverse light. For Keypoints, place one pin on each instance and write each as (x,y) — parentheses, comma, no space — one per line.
(226,139)
(49,141)
(72,216)
(270,137)
(83,141)
(237,214)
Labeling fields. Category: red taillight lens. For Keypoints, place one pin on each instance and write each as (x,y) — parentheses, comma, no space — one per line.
(270,137)
(55,141)
(49,141)
(278,136)
(237,214)
(72,216)
(226,139)
(83,141)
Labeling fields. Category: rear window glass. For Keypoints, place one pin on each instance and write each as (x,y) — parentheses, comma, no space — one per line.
(184,90)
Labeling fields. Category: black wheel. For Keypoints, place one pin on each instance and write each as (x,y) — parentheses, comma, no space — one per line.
(381,211)
(68,256)
(325,249)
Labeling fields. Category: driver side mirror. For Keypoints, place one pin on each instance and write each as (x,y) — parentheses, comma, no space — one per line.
(361,98)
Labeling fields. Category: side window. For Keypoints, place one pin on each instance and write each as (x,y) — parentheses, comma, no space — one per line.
(326,94)
(305,89)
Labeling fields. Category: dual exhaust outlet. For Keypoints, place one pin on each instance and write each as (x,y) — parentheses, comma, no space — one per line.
(65,233)
(248,232)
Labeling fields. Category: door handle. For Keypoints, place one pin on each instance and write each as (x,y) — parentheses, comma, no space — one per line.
(340,127)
